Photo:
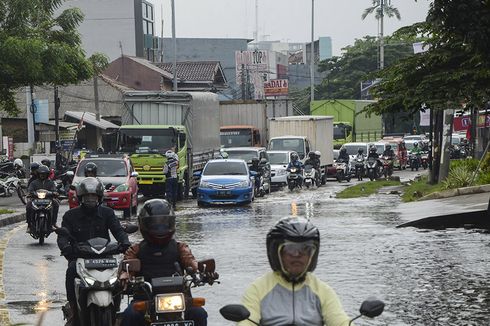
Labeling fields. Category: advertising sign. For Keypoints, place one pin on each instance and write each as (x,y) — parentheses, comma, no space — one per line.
(464,122)
(276,87)
(252,67)
(41,113)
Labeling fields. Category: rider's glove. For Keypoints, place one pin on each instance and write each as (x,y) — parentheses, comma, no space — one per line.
(123,247)
(211,277)
(69,252)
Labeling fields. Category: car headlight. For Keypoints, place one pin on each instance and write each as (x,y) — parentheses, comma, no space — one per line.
(122,187)
(171,302)
(204,184)
(243,183)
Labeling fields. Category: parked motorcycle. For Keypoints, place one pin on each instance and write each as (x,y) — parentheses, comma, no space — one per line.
(97,281)
(387,166)
(294,178)
(372,168)
(414,161)
(238,312)
(343,172)
(42,220)
(165,299)
(359,168)
(9,185)
(310,176)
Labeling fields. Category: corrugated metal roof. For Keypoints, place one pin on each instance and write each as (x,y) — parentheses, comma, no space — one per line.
(90,118)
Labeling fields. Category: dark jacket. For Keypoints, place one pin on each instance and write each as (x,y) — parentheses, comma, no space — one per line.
(84,227)
(343,157)
(389,153)
(313,162)
(38,184)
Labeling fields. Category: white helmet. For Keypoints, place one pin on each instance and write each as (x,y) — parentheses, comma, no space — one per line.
(169,154)
(18,163)
(318,153)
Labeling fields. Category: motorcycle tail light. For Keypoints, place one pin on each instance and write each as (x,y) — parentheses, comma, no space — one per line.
(198,302)
(140,306)
(171,302)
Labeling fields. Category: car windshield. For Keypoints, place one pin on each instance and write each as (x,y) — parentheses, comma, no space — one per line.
(380,148)
(455,140)
(242,155)
(413,137)
(353,148)
(409,145)
(105,168)
(144,141)
(236,138)
(225,168)
(278,158)
(285,144)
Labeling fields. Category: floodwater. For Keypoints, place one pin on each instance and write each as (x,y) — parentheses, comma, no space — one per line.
(425,277)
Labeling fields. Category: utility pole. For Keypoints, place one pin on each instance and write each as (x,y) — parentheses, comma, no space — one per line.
(256,33)
(381,37)
(174,41)
(33,110)
(97,111)
(312,54)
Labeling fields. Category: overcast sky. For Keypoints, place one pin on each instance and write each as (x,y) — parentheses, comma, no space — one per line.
(284,20)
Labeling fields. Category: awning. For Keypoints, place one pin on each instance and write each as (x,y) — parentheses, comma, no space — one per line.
(90,119)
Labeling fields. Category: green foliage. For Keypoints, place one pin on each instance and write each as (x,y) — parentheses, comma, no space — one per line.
(459,176)
(419,188)
(387,10)
(485,165)
(366,188)
(37,48)
(470,164)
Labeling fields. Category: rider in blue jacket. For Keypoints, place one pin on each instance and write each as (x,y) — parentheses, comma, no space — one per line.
(295,162)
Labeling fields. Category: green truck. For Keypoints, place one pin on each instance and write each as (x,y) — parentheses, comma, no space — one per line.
(350,125)
(187,123)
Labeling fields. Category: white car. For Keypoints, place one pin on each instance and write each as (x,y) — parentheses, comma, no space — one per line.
(279,161)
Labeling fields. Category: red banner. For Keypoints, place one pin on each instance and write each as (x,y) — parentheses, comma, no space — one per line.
(464,122)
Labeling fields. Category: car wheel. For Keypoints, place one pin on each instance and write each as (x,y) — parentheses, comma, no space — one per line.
(200,204)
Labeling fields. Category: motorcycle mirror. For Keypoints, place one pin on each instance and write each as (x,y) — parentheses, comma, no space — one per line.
(129,227)
(70,173)
(372,308)
(131,265)
(234,312)
(208,265)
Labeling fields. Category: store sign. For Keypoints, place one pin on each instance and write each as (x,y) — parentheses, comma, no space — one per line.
(276,87)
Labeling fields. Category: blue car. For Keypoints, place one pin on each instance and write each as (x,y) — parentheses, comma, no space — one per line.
(226,181)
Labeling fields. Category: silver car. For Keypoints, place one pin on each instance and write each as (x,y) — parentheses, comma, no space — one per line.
(279,161)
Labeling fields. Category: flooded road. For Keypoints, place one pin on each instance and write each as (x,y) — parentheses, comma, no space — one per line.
(424,277)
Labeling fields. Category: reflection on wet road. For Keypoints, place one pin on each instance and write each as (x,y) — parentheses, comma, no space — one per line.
(425,277)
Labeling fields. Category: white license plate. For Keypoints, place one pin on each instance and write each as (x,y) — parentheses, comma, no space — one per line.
(175,323)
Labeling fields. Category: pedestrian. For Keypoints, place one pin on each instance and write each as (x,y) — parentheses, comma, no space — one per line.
(293,245)
(171,169)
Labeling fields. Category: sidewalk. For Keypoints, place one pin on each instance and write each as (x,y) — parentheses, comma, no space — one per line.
(17,216)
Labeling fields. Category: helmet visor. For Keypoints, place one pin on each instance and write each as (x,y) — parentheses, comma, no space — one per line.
(295,257)
(159,225)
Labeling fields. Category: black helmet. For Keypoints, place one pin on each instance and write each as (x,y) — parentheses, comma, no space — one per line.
(343,150)
(360,150)
(43,172)
(255,161)
(157,221)
(90,167)
(292,229)
(294,157)
(34,166)
(388,147)
(373,149)
(311,155)
(415,144)
(88,186)
(46,162)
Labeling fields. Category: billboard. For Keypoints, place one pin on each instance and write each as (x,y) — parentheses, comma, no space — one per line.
(41,113)
(252,67)
(276,87)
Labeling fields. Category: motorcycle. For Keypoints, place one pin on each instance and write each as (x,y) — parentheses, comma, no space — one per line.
(9,185)
(165,299)
(387,166)
(42,220)
(414,161)
(359,168)
(310,176)
(294,178)
(97,283)
(343,172)
(424,158)
(372,168)
(238,312)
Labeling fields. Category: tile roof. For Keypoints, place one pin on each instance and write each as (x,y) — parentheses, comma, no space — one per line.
(197,71)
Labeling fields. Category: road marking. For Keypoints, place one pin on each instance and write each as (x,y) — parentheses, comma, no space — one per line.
(4,313)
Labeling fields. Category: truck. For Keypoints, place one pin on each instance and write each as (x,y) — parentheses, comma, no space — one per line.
(155,122)
(350,124)
(247,121)
(304,134)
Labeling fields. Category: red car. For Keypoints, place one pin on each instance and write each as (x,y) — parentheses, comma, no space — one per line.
(119,178)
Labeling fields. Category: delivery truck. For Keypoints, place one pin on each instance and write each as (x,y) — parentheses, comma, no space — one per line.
(304,134)
(187,123)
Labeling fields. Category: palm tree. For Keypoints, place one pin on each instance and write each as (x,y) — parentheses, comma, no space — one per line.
(381,8)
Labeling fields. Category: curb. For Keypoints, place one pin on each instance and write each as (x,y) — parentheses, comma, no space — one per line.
(12,218)
(457,192)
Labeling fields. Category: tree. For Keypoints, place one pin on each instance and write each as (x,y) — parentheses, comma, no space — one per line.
(37,48)
(387,10)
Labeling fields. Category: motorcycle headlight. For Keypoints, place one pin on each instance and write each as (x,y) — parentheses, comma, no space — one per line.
(122,187)
(90,281)
(171,302)
(112,280)
(204,184)
(243,183)
(41,194)
(293,170)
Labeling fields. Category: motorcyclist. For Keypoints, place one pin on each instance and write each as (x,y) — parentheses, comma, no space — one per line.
(314,161)
(90,170)
(87,221)
(42,182)
(293,245)
(389,152)
(33,167)
(20,172)
(373,152)
(257,168)
(296,163)
(158,253)
(47,162)
(343,156)
(171,170)
(360,156)
(416,149)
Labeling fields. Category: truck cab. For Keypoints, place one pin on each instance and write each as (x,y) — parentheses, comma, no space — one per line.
(240,136)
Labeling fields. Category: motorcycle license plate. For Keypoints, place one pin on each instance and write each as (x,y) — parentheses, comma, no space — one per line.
(42,201)
(100,263)
(175,323)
